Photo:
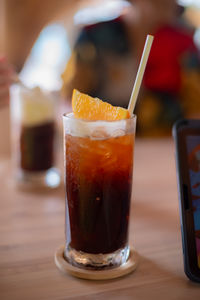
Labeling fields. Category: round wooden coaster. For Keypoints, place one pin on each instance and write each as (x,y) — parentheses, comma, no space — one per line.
(120,271)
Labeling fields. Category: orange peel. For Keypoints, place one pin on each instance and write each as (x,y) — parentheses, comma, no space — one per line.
(93,109)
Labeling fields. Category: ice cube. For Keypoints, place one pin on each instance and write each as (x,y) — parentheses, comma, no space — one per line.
(118,132)
(99,134)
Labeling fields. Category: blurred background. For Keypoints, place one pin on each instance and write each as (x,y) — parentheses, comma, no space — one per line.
(95,46)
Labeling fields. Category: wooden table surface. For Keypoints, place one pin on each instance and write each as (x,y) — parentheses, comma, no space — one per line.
(32,227)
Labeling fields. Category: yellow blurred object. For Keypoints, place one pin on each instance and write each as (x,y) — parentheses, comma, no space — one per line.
(192,14)
(190,93)
(78,74)
(70,69)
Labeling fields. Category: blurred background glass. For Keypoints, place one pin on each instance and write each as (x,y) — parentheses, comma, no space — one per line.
(34,137)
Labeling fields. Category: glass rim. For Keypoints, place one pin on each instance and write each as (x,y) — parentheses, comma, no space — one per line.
(70,115)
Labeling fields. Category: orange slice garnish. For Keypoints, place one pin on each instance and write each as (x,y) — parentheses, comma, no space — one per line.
(89,108)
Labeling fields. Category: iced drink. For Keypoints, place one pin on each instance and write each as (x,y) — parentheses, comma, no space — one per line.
(98,179)
(33,135)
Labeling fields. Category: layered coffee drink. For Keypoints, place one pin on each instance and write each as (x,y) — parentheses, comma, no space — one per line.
(33,134)
(37,131)
(98,158)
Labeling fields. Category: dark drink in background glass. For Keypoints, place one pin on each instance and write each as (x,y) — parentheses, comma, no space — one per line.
(33,137)
(37,147)
(98,175)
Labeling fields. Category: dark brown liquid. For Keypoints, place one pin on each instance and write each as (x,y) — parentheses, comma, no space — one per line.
(98,185)
(36,147)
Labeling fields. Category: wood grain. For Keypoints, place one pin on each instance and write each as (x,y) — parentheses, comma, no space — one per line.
(32,228)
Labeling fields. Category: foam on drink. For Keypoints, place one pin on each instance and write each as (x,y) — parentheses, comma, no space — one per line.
(37,107)
(96,129)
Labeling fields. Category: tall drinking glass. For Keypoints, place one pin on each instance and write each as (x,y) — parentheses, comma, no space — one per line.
(33,132)
(98,158)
